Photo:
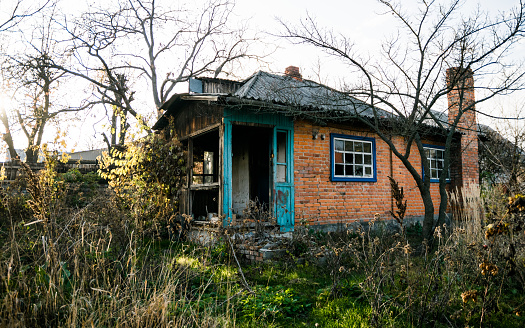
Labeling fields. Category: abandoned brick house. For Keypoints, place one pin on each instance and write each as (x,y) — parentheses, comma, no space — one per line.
(242,146)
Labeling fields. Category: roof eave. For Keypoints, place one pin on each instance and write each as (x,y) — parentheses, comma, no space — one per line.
(170,104)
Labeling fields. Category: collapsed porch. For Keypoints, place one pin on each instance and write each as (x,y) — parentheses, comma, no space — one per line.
(234,165)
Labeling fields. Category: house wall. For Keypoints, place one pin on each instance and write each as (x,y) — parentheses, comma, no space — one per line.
(319,200)
(195,116)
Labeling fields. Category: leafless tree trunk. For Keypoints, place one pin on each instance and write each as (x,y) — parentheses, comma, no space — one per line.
(7,136)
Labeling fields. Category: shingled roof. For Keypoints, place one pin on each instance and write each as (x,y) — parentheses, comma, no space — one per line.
(305,95)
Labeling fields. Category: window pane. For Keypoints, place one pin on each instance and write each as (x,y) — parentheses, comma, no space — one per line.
(358,146)
(281,147)
(349,158)
(436,162)
(338,157)
(281,173)
(349,145)
(368,159)
(339,144)
(208,166)
(368,170)
(350,170)
(367,147)
(339,169)
(198,179)
(359,170)
(358,158)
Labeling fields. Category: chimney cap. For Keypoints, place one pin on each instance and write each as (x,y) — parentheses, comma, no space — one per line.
(293,72)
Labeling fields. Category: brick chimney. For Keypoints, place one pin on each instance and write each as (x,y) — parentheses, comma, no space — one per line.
(465,166)
(293,72)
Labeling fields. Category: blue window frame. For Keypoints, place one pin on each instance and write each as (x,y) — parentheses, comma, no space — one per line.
(352,158)
(435,156)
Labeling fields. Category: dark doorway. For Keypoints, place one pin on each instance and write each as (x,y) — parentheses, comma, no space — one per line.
(250,166)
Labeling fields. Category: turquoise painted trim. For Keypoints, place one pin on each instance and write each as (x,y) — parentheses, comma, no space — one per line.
(227,174)
(279,122)
(285,215)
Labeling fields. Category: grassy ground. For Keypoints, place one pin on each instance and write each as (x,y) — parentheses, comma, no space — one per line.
(74,255)
(285,294)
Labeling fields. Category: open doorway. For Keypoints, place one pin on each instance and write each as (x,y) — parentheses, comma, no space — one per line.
(251,169)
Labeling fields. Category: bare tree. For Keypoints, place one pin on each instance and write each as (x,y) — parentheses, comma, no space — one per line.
(202,44)
(147,40)
(119,113)
(35,84)
(11,14)
(408,79)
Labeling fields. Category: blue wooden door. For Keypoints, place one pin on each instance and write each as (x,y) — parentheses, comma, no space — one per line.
(282,186)
(283,191)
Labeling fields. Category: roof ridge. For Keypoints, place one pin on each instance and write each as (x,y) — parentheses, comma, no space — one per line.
(249,82)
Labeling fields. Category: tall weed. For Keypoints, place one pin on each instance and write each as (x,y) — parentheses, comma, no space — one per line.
(86,265)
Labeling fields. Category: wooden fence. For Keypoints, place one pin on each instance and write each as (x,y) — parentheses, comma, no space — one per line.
(14,169)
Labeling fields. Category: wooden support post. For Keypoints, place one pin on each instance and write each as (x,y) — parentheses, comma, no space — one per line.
(190,176)
(220,178)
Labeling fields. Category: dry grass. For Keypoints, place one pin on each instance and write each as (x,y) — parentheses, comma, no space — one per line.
(89,267)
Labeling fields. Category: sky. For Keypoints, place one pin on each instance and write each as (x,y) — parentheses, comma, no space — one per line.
(365,22)
(362,20)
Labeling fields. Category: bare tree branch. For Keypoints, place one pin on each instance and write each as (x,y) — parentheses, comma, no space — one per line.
(408,78)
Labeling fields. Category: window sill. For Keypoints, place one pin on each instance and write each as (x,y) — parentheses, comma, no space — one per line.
(204,186)
(341,179)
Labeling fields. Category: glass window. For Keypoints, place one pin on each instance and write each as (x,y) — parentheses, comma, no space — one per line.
(281,157)
(436,162)
(353,158)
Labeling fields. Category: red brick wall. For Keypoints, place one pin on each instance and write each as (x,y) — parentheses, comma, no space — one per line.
(461,102)
(321,201)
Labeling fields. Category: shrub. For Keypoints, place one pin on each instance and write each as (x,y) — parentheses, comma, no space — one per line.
(147,178)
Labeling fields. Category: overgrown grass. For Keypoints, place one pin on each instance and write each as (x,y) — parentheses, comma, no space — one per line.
(70,257)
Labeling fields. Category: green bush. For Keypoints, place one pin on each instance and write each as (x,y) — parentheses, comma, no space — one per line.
(147,178)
